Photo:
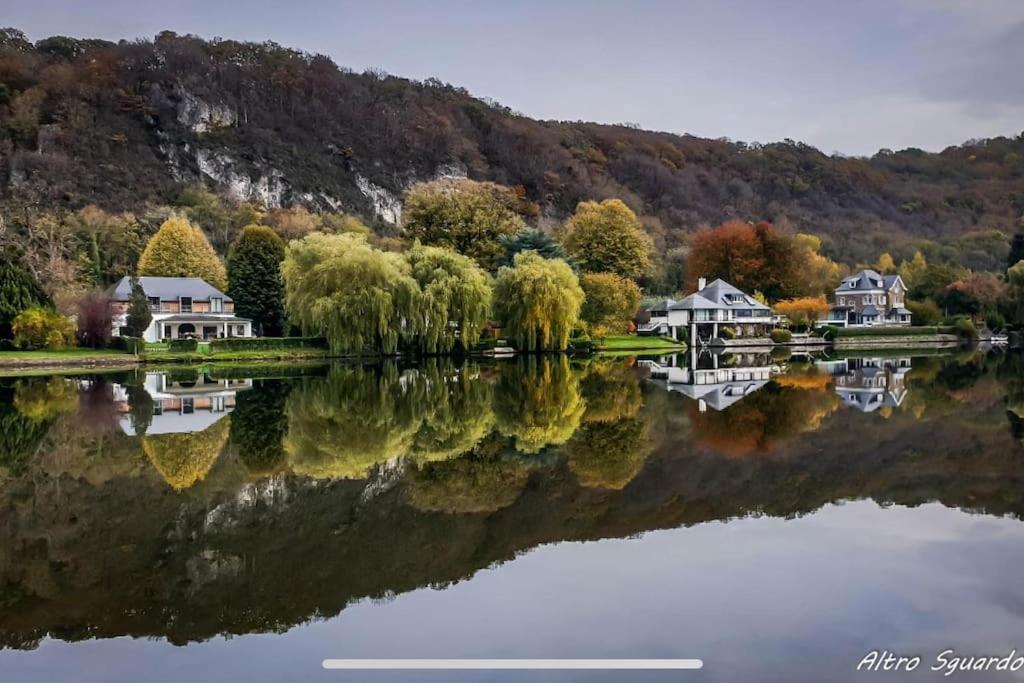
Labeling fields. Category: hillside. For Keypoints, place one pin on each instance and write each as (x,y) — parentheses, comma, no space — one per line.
(129,125)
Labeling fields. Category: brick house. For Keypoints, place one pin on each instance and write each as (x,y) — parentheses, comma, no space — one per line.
(868,298)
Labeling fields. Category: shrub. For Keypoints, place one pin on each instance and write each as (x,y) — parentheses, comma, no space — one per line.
(781,336)
(845,332)
(266,343)
(41,328)
(183,345)
(130,344)
(965,328)
(924,313)
(995,322)
(727,333)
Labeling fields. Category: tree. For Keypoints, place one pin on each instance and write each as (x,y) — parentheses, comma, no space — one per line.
(465,215)
(751,257)
(357,297)
(293,223)
(973,294)
(1016,254)
(95,320)
(42,328)
(18,292)
(222,220)
(455,297)
(538,301)
(912,272)
(254,278)
(179,249)
(1015,276)
(532,239)
(611,301)
(924,313)
(885,265)
(606,237)
(139,313)
(804,311)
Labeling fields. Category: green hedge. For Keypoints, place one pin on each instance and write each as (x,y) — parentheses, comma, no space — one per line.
(266,343)
(129,344)
(183,345)
(847,332)
(781,336)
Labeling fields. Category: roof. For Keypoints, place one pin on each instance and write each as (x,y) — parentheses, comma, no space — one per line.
(168,288)
(693,302)
(900,311)
(869,310)
(727,296)
(867,280)
(203,317)
(663,305)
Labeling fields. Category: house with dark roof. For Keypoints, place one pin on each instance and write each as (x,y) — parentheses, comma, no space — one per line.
(182,307)
(869,384)
(703,313)
(868,298)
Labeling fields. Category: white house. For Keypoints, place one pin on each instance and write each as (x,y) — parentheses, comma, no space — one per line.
(181,307)
(712,379)
(714,305)
(181,407)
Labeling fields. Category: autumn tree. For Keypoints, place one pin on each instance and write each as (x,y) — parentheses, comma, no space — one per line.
(465,215)
(18,291)
(1015,277)
(815,273)
(606,237)
(95,320)
(886,265)
(912,272)
(180,249)
(254,278)
(455,297)
(611,301)
(357,297)
(110,243)
(803,311)
(221,219)
(538,301)
(973,294)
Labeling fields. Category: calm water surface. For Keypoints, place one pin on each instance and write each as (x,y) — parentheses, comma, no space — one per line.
(777,517)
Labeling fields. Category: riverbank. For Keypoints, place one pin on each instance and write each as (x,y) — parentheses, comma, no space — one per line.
(112,358)
(633,342)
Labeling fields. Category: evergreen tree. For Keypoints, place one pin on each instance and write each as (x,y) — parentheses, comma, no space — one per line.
(533,239)
(180,249)
(254,278)
(139,314)
(18,291)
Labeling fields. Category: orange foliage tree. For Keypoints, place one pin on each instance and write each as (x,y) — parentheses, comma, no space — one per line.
(803,311)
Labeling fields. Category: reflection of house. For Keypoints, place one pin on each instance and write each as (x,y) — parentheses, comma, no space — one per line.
(181,307)
(868,298)
(714,380)
(181,406)
(704,311)
(868,384)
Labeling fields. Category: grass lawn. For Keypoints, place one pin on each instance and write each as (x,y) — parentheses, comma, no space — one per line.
(632,342)
(63,354)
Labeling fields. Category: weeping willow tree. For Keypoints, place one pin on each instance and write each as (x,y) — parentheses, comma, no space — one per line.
(357,297)
(455,301)
(538,301)
(186,458)
(538,402)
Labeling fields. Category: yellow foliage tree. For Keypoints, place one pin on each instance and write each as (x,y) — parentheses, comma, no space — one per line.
(913,271)
(606,237)
(538,301)
(885,265)
(186,458)
(180,249)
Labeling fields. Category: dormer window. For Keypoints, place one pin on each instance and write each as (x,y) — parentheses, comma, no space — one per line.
(216,305)
(185,303)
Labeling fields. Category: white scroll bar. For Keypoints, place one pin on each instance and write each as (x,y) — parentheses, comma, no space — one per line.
(522,664)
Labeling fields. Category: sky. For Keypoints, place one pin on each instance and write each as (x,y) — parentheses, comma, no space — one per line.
(847,76)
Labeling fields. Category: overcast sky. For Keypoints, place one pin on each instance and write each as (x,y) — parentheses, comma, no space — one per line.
(848,76)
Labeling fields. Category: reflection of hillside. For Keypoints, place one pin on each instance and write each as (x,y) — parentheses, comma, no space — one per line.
(266,555)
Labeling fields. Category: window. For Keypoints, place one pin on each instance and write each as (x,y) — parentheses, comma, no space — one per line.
(216,305)
(240,330)
(154,302)
(881,299)
(167,331)
(866,299)
(188,406)
(185,303)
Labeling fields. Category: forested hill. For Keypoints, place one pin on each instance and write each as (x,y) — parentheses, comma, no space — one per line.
(131,124)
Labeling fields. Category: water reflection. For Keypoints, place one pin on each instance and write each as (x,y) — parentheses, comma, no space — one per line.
(189,504)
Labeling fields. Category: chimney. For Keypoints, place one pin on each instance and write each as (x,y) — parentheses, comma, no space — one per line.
(702,282)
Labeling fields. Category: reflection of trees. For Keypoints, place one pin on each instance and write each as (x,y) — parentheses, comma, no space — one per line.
(762,421)
(538,402)
(467,485)
(609,454)
(611,391)
(259,425)
(354,418)
(44,399)
(20,435)
(185,458)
